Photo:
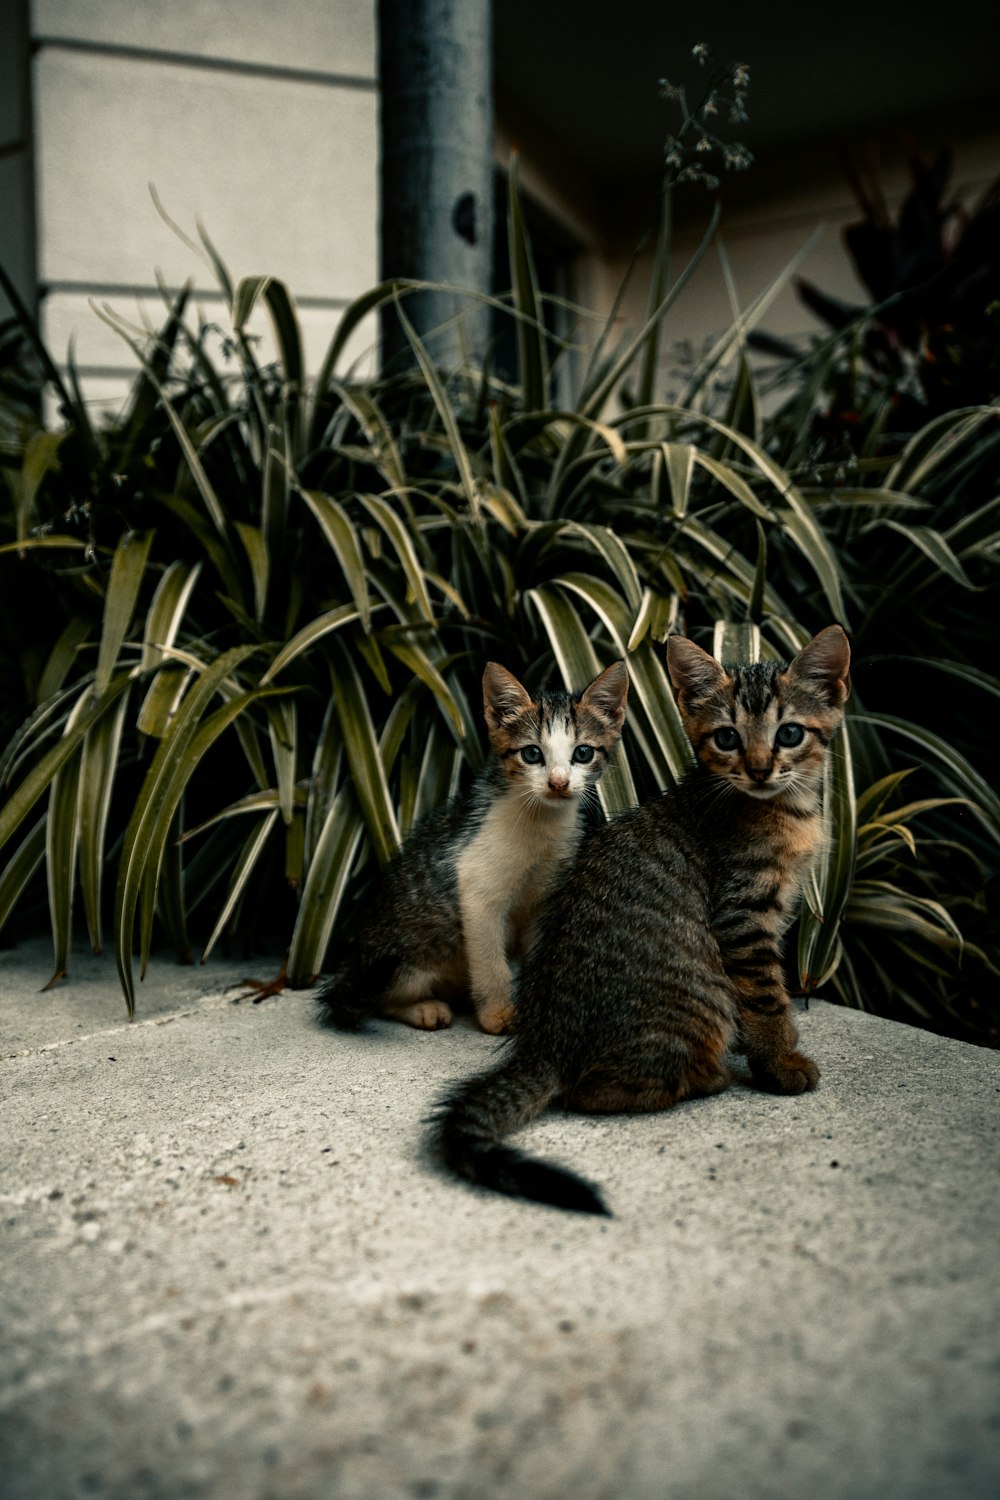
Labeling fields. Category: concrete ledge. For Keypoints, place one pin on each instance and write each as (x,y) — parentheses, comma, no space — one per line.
(228,1270)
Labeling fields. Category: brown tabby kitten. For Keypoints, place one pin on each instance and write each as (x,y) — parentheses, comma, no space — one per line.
(661,948)
(461,899)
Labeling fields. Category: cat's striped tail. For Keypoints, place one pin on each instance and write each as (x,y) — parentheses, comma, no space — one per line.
(472,1119)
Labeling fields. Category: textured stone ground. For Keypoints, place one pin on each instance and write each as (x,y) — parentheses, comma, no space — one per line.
(228,1269)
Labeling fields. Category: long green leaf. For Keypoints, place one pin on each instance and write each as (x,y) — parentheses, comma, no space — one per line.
(834,873)
(530,341)
(324,778)
(98,769)
(952,768)
(459,452)
(167,610)
(20,868)
(127,570)
(325,884)
(333,619)
(614,554)
(41,455)
(413,656)
(934,444)
(62,836)
(678,461)
(156,802)
(265,801)
(164,890)
(353,315)
(934,546)
(39,778)
(370,418)
(259,558)
(163,828)
(252,849)
(384,515)
(434,780)
(46,543)
(342,535)
(658,283)
(598,390)
(248,292)
(202,482)
(361,747)
(960,670)
(63,657)
(282,724)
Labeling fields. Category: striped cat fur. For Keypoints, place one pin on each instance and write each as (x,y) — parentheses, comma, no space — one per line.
(660,950)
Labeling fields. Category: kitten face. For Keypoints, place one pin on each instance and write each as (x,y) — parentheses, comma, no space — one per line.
(554,747)
(762,728)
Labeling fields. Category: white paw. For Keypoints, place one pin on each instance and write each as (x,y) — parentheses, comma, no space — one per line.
(426,1015)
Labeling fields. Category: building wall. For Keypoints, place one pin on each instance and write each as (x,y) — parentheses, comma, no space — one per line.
(261,124)
(17,250)
(760,245)
(258,122)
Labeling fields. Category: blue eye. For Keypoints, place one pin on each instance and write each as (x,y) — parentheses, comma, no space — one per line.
(727,738)
(790,734)
(532,755)
(582,754)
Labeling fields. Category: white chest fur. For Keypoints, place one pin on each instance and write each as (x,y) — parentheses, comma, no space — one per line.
(503,874)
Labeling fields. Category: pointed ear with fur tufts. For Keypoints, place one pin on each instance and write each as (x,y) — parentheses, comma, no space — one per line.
(503,696)
(825,663)
(606,695)
(693,672)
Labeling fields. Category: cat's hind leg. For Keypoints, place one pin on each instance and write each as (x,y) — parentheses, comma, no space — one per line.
(646,1078)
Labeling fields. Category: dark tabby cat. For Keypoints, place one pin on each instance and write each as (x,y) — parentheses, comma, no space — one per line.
(661,948)
(461,899)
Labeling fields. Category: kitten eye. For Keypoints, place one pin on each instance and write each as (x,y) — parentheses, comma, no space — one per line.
(789,734)
(582,754)
(532,755)
(727,738)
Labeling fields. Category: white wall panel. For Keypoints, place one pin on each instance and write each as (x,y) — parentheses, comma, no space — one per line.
(70,316)
(333,36)
(283,174)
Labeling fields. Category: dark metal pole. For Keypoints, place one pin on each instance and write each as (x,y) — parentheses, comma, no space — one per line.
(435,63)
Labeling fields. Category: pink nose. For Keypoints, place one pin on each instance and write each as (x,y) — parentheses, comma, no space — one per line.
(558,780)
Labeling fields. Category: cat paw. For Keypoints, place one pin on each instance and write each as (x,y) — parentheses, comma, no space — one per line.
(794,1074)
(496,1019)
(425,1015)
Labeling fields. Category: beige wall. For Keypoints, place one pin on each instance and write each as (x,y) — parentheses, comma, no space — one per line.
(259,121)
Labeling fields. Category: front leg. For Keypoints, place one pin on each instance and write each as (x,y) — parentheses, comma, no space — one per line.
(487,931)
(767,1032)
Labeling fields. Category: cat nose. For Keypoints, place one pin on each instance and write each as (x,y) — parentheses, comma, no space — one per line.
(758,766)
(558,779)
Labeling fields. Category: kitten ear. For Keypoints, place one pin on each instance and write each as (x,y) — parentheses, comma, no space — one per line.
(692,671)
(606,695)
(503,696)
(825,664)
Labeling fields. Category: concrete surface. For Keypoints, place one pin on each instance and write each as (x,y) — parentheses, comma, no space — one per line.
(229,1271)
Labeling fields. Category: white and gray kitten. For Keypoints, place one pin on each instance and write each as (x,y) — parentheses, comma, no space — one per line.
(461,900)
